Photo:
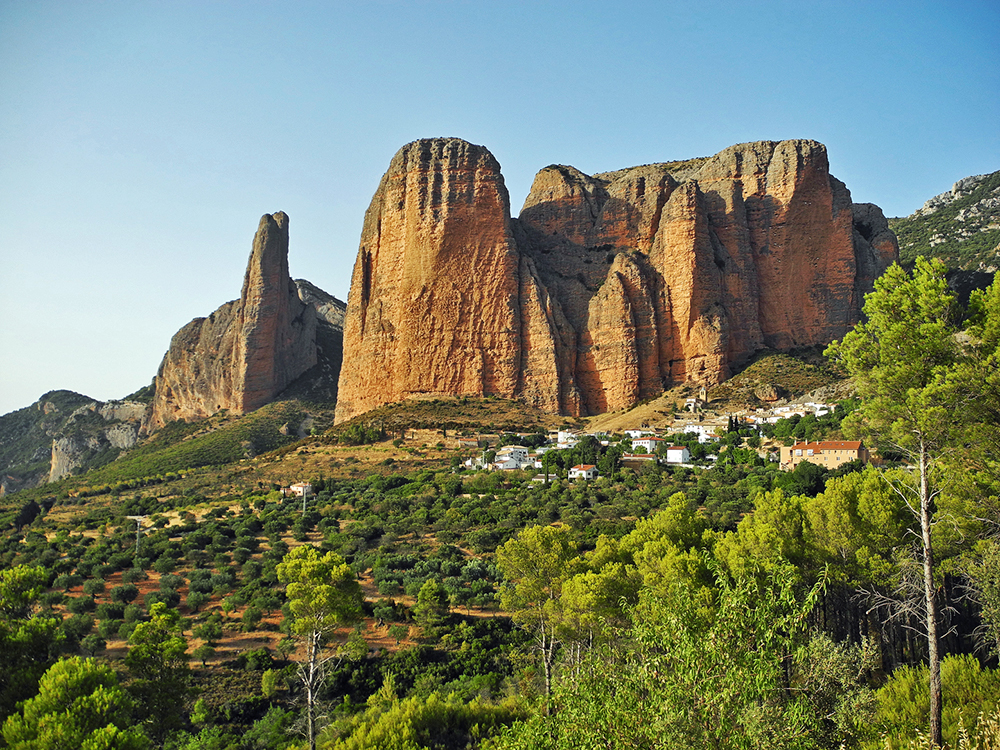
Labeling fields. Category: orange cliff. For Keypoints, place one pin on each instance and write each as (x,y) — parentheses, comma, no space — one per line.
(608,288)
(249,350)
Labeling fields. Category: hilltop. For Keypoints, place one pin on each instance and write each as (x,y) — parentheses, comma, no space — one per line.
(960,226)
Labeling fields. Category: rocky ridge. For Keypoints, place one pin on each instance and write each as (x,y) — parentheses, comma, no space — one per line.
(960,226)
(607,288)
(250,350)
(61,434)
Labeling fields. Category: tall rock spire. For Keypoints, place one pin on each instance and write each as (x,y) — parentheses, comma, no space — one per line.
(246,352)
(433,306)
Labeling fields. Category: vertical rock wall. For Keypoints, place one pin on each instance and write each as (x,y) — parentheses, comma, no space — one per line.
(608,288)
(246,352)
(434,300)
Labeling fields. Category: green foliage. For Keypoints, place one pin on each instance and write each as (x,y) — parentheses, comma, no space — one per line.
(857,525)
(968,691)
(159,677)
(79,705)
(431,609)
(322,591)
(431,723)
(535,565)
(323,595)
(984,573)
(767,538)
(174,449)
(29,641)
(967,244)
(692,674)
(359,434)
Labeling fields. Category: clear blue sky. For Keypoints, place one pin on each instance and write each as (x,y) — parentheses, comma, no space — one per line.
(140,142)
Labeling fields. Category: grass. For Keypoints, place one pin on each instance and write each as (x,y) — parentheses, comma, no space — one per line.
(791,374)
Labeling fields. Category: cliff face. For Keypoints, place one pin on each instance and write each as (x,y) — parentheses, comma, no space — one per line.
(249,350)
(608,288)
(63,433)
(433,306)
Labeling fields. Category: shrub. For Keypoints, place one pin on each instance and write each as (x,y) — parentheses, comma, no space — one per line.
(967,691)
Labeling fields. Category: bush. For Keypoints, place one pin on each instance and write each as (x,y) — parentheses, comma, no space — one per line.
(125,594)
(133,575)
(81,604)
(967,691)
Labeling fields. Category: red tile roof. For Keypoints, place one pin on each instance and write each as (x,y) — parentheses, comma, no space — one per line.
(830,445)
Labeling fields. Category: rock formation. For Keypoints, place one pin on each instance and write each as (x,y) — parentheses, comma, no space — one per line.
(64,433)
(433,306)
(248,351)
(608,288)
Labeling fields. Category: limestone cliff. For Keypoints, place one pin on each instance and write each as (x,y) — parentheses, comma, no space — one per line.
(249,350)
(64,433)
(607,288)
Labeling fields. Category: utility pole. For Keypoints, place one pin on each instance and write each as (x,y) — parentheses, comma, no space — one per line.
(138,532)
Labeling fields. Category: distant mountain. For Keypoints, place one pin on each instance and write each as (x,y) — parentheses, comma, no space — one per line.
(961,226)
(64,433)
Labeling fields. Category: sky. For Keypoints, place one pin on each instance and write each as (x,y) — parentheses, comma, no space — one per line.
(141,142)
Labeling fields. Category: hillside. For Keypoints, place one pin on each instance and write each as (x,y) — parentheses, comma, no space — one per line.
(61,433)
(961,226)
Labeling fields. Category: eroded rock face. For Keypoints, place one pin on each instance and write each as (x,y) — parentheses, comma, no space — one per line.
(433,306)
(246,352)
(608,288)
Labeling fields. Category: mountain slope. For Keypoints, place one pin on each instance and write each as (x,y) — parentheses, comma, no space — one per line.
(961,226)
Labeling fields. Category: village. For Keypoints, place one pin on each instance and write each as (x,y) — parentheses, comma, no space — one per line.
(669,444)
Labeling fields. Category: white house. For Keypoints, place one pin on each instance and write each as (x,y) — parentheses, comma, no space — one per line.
(299,489)
(567,439)
(583,471)
(516,452)
(649,444)
(678,454)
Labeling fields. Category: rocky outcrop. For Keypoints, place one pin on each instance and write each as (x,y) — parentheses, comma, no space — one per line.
(433,306)
(64,433)
(248,351)
(608,288)
(961,227)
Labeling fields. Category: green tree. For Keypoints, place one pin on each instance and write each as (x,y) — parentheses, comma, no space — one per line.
(323,595)
(29,640)
(856,526)
(690,674)
(158,669)
(79,705)
(431,610)
(984,572)
(535,565)
(773,534)
(900,359)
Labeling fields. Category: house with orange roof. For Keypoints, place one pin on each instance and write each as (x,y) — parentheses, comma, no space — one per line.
(829,454)
(583,471)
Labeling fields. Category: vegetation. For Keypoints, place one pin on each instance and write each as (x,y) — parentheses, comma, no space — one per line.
(968,243)
(410,603)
